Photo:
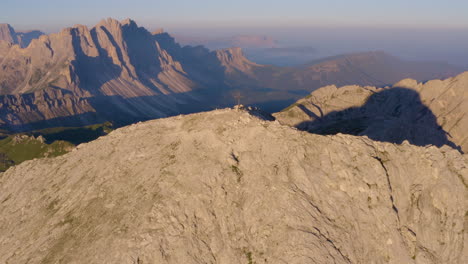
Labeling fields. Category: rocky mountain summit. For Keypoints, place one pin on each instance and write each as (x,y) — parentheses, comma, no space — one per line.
(431,113)
(228,186)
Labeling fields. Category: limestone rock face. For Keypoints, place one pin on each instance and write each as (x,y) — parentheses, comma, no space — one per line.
(229,187)
(433,113)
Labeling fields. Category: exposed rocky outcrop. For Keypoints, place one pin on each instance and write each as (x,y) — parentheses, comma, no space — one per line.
(431,113)
(228,187)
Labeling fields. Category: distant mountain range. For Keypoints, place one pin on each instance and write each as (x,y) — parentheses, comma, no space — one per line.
(258,48)
(241,41)
(120,72)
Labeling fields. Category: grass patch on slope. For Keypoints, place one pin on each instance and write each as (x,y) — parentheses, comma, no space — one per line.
(50,142)
(289,107)
(17,149)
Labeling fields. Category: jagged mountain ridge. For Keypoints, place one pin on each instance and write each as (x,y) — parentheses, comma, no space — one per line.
(97,61)
(434,112)
(114,65)
(229,187)
(117,71)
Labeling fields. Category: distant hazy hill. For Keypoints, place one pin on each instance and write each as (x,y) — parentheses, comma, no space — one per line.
(241,41)
(117,71)
(280,86)
(258,48)
(372,68)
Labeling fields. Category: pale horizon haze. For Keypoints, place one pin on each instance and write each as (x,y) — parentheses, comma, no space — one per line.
(50,15)
(417,29)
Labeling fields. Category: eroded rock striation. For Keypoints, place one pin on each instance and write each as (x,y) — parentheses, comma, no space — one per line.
(230,187)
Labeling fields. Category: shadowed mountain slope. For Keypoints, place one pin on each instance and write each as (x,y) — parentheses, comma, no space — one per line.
(433,113)
(228,187)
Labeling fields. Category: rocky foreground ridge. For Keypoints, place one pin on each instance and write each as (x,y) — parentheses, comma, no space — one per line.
(229,186)
(434,112)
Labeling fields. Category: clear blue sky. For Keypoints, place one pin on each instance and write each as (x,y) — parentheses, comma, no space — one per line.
(54,14)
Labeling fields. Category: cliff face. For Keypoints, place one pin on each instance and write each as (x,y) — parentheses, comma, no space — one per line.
(113,67)
(229,187)
(430,113)
(8,34)
(112,58)
(115,71)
